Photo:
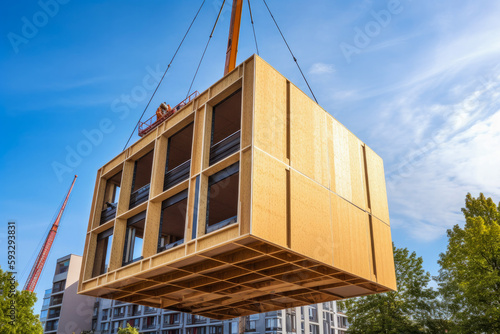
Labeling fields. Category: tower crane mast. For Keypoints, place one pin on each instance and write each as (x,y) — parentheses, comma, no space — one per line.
(36,271)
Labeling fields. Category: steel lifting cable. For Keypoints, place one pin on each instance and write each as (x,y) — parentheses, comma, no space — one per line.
(294,59)
(253,27)
(206,47)
(168,67)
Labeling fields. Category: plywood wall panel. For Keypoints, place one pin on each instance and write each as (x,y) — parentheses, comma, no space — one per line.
(158,169)
(197,141)
(351,238)
(376,182)
(356,162)
(384,258)
(342,160)
(245,189)
(152,229)
(310,226)
(269,202)
(116,256)
(270,114)
(125,187)
(308,137)
(247,104)
(331,153)
(224,83)
(118,160)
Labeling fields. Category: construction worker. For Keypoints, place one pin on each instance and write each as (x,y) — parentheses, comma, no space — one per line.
(162,110)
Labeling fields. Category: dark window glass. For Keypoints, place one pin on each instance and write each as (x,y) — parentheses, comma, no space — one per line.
(62,267)
(58,286)
(140,182)
(172,221)
(222,206)
(179,157)
(226,124)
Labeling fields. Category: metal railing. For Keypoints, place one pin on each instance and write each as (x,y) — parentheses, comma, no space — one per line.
(151,123)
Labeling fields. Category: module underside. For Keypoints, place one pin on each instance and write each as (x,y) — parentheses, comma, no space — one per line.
(242,277)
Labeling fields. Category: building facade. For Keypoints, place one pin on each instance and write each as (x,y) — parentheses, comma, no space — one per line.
(63,310)
(45,307)
(323,318)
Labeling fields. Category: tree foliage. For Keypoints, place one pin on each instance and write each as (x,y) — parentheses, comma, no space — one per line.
(412,309)
(19,304)
(128,330)
(469,278)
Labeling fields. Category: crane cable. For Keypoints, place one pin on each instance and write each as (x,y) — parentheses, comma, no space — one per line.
(206,47)
(253,27)
(168,67)
(294,59)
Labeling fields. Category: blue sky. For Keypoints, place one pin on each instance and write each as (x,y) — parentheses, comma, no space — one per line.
(418,81)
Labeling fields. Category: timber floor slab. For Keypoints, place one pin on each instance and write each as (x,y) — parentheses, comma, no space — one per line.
(242,277)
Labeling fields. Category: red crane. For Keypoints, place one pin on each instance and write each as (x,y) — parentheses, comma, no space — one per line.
(44,252)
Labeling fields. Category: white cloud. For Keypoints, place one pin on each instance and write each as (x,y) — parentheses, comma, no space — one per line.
(321,69)
(428,182)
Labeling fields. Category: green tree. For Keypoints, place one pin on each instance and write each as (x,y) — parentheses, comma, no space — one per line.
(128,330)
(16,308)
(469,278)
(414,308)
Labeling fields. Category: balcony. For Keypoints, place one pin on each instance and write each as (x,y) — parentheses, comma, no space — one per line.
(139,196)
(108,213)
(176,175)
(225,147)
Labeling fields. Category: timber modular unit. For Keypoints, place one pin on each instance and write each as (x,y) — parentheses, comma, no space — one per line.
(249,199)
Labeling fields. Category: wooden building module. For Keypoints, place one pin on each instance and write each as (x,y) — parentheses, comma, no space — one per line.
(251,198)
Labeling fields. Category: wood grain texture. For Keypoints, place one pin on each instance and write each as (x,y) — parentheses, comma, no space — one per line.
(125,187)
(158,170)
(358,189)
(152,228)
(311,232)
(376,181)
(269,200)
(110,167)
(198,134)
(384,258)
(222,84)
(308,137)
(331,152)
(190,210)
(247,104)
(351,238)
(97,201)
(116,256)
(89,255)
(245,189)
(270,116)
(342,161)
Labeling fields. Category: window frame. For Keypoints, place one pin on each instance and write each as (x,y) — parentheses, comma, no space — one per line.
(172,200)
(128,253)
(212,180)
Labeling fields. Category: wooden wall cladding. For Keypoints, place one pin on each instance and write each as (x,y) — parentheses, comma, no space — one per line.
(312,218)
(308,137)
(269,199)
(270,111)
